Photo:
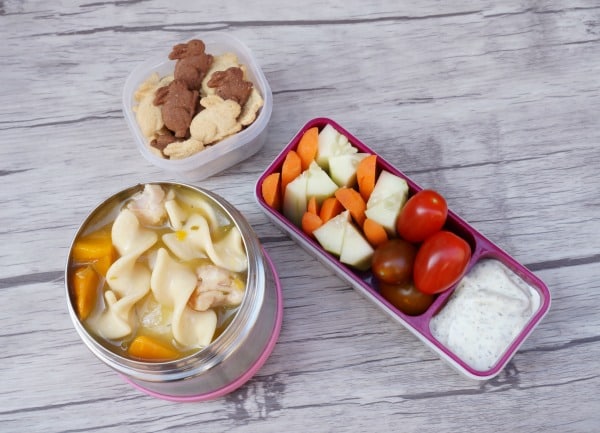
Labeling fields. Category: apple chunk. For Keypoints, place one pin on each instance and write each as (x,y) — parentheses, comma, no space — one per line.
(331,234)
(340,236)
(342,168)
(332,143)
(356,250)
(294,199)
(386,200)
(312,182)
(319,184)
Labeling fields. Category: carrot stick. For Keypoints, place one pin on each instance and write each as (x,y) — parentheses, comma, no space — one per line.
(366,173)
(271,190)
(374,232)
(102,264)
(95,248)
(92,246)
(313,206)
(307,147)
(85,285)
(352,201)
(149,349)
(290,170)
(310,222)
(331,207)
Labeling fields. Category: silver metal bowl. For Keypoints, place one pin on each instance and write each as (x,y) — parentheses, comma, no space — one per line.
(232,358)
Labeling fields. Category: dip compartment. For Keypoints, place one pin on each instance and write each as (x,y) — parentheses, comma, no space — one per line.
(502,303)
(364,283)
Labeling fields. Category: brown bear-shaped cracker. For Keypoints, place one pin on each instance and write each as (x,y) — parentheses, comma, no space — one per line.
(192,63)
(178,106)
(164,139)
(230,84)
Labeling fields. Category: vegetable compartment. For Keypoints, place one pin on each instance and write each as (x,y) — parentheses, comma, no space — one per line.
(355,213)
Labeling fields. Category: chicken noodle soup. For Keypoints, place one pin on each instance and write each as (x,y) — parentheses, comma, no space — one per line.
(158,275)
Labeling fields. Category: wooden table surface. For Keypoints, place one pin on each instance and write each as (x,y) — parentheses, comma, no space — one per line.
(494,104)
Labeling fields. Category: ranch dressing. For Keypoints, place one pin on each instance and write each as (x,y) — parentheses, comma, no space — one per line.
(488,309)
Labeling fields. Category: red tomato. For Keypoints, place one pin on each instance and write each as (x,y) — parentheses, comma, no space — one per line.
(406,297)
(441,261)
(392,261)
(423,214)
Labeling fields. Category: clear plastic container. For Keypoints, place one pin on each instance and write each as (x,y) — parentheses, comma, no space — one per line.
(426,326)
(225,153)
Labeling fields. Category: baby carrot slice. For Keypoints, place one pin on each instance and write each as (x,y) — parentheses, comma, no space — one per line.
(149,349)
(291,169)
(310,222)
(374,232)
(307,147)
(85,286)
(366,173)
(352,201)
(313,206)
(271,190)
(331,207)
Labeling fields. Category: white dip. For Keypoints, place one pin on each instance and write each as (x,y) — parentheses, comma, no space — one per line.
(488,309)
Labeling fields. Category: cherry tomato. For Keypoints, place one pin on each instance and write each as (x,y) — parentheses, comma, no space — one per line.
(423,215)
(440,262)
(406,297)
(393,261)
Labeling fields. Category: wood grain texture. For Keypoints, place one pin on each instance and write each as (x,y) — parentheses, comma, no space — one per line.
(494,104)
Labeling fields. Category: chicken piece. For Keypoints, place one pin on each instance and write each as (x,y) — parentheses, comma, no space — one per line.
(149,205)
(217,287)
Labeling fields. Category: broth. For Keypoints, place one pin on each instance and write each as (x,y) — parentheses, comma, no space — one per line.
(131,276)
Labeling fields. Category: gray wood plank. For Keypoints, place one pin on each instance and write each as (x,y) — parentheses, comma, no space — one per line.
(493,104)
